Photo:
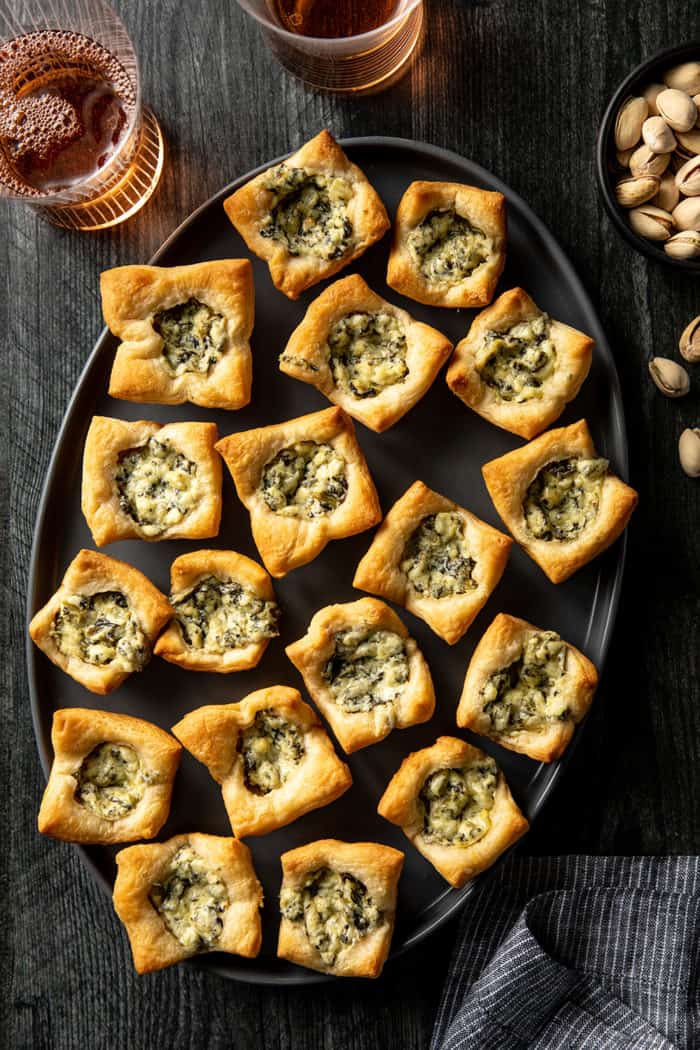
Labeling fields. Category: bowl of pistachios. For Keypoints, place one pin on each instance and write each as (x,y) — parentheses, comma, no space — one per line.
(648,157)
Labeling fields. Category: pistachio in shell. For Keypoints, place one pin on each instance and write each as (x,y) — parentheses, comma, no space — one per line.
(652,223)
(677,108)
(645,162)
(650,94)
(623,156)
(686,215)
(690,141)
(628,125)
(689,342)
(685,77)
(684,245)
(633,191)
(689,451)
(669,377)
(688,178)
(658,136)
(668,196)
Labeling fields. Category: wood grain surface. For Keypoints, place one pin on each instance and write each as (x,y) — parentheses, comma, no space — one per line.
(518,86)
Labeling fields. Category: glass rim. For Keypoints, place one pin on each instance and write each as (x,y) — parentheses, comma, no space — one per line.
(264,19)
(65,197)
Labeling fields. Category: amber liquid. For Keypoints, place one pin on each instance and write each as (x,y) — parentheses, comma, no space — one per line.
(334,18)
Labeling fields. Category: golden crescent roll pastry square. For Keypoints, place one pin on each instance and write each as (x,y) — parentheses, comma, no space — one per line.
(518,367)
(364,354)
(166,925)
(271,756)
(304,482)
(226,612)
(143,480)
(364,672)
(420,799)
(111,779)
(309,216)
(526,688)
(559,499)
(184,332)
(436,559)
(100,625)
(329,880)
(449,245)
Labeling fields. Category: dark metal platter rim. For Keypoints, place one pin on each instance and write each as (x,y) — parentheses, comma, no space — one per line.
(248,973)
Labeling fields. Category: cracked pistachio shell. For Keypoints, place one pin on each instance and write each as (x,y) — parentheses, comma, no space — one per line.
(689,342)
(650,222)
(677,109)
(649,97)
(645,162)
(669,194)
(658,136)
(688,177)
(670,377)
(631,192)
(685,77)
(690,141)
(683,245)
(628,126)
(689,451)
(686,215)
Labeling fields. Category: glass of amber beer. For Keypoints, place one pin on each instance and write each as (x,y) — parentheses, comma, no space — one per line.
(344,46)
(75,140)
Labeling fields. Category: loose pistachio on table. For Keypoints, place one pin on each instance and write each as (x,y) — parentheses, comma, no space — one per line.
(689,451)
(689,342)
(669,377)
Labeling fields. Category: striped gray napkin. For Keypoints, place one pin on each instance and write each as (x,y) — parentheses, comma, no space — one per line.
(577,953)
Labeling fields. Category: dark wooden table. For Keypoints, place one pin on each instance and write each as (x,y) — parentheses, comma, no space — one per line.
(518,87)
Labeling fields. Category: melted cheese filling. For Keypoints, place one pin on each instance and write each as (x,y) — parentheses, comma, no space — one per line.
(336,909)
(436,559)
(518,362)
(271,749)
(446,248)
(193,337)
(309,214)
(110,781)
(157,486)
(457,803)
(100,629)
(527,695)
(219,615)
(367,353)
(564,497)
(305,480)
(367,668)
(191,900)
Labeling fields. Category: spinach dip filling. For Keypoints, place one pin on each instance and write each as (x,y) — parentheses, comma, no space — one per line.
(367,668)
(193,337)
(305,480)
(157,485)
(457,803)
(110,781)
(518,362)
(367,353)
(564,497)
(191,900)
(336,909)
(526,695)
(100,629)
(271,749)
(436,560)
(218,615)
(447,248)
(309,214)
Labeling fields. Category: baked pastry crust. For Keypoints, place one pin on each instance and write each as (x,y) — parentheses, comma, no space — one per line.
(285,543)
(379,570)
(484,208)
(139,868)
(185,573)
(250,206)
(107,438)
(133,295)
(415,702)
(91,573)
(379,868)
(508,477)
(400,805)
(212,734)
(75,733)
(528,418)
(306,355)
(501,645)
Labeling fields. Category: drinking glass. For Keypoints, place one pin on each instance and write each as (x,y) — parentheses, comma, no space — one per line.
(124,177)
(358,64)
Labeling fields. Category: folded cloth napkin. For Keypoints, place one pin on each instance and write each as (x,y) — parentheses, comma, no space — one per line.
(567,953)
